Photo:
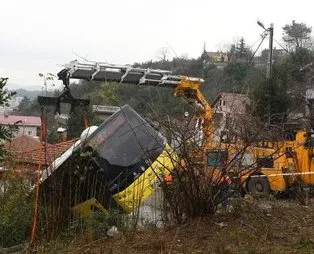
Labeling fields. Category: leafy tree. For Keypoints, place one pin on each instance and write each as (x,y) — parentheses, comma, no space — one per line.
(237,71)
(28,107)
(109,93)
(75,124)
(145,100)
(188,67)
(297,82)
(207,70)
(271,100)
(296,35)
(16,209)
(241,52)
(24,108)
(301,56)
(285,92)
(231,52)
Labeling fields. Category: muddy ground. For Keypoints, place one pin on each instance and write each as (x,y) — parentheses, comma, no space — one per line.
(264,225)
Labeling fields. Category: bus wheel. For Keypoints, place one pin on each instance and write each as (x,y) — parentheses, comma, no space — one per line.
(258,185)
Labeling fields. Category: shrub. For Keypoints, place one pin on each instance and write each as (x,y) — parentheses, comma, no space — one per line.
(16,209)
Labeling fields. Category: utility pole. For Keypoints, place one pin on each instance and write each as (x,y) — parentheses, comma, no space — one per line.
(270,65)
(270,53)
(270,32)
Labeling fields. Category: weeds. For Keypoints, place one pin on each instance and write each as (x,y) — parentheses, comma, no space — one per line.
(16,207)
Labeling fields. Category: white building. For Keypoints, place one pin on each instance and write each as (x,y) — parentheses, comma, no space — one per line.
(26,125)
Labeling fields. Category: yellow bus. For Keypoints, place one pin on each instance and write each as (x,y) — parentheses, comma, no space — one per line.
(119,165)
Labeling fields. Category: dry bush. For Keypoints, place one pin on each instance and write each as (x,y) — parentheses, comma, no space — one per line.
(199,185)
(197,189)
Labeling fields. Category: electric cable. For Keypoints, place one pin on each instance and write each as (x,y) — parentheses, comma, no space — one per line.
(282,46)
(262,40)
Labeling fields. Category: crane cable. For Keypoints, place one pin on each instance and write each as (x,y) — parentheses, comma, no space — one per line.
(43,127)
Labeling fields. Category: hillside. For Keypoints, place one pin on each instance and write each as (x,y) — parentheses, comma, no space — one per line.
(31,94)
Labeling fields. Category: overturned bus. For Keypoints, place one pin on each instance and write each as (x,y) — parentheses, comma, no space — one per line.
(117,165)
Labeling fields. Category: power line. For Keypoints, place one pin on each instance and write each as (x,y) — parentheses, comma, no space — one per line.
(262,40)
(281,46)
(262,36)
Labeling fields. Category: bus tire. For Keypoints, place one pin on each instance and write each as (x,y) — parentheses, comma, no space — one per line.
(258,185)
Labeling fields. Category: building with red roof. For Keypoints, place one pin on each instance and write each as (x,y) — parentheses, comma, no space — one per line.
(26,125)
(26,153)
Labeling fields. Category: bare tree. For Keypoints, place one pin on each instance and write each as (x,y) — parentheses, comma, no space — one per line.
(163,54)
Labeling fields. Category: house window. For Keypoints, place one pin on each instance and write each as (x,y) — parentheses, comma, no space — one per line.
(30,133)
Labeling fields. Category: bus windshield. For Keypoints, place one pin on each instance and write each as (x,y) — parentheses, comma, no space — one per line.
(125,140)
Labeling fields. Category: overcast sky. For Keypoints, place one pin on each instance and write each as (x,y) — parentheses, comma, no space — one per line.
(41,35)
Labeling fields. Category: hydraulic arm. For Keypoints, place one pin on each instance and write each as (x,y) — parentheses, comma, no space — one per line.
(188,87)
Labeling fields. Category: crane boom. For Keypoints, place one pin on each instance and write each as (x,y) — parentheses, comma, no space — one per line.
(119,73)
(186,86)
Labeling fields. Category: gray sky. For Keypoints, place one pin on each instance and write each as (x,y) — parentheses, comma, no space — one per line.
(41,35)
